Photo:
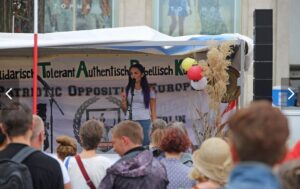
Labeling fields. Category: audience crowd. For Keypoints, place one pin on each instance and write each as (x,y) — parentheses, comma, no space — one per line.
(253,154)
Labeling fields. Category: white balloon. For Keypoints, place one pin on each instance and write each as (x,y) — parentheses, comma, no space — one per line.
(199,85)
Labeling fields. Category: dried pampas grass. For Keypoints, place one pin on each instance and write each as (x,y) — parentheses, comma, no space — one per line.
(215,70)
(208,124)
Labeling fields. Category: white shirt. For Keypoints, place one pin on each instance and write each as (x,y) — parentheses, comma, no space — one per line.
(95,168)
(139,112)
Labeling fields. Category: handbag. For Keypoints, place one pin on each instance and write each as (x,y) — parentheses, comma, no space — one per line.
(84,173)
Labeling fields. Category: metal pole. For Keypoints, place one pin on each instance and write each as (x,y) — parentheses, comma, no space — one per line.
(35,57)
(13,23)
(242,81)
(74,14)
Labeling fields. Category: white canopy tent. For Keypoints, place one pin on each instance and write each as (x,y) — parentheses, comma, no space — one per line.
(139,39)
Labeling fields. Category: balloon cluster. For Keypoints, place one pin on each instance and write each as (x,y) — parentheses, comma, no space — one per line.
(194,73)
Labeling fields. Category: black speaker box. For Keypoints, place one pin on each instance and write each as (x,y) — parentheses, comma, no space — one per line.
(262,87)
(263,52)
(263,35)
(263,17)
(269,98)
(263,70)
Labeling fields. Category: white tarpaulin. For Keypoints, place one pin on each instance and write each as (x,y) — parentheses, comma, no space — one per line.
(135,39)
(88,69)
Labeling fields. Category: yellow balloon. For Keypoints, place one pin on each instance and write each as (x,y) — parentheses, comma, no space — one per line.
(187,63)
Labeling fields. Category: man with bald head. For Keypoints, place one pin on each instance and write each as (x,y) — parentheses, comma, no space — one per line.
(37,142)
(38,133)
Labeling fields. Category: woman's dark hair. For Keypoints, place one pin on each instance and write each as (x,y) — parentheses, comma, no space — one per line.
(144,83)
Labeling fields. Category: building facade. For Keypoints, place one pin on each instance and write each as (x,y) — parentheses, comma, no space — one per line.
(173,17)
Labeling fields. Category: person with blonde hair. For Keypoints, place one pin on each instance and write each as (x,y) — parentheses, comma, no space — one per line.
(66,147)
(158,124)
(154,146)
(212,163)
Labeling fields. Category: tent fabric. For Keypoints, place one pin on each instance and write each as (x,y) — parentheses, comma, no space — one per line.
(141,39)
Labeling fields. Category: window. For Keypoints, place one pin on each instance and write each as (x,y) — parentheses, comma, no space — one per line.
(60,15)
(186,17)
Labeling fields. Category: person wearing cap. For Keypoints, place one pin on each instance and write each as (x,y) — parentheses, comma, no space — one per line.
(212,164)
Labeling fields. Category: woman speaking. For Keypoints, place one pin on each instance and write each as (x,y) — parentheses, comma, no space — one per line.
(139,101)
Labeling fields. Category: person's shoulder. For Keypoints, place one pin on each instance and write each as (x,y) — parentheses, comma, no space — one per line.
(159,162)
(102,158)
(39,159)
(104,161)
(186,159)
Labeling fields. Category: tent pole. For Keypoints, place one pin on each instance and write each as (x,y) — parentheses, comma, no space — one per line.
(35,57)
(242,81)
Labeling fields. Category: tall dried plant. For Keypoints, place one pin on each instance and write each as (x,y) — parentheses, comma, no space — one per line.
(215,70)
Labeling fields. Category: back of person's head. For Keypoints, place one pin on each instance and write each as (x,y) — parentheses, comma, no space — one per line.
(259,133)
(91,133)
(289,174)
(156,137)
(158,124)
(174,141)
(178,125)
(66,147)
(38,126)
(16,119)
(130,129)
(212,160)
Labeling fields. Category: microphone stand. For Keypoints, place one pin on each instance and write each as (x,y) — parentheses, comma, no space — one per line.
(132,94)
(51,100)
